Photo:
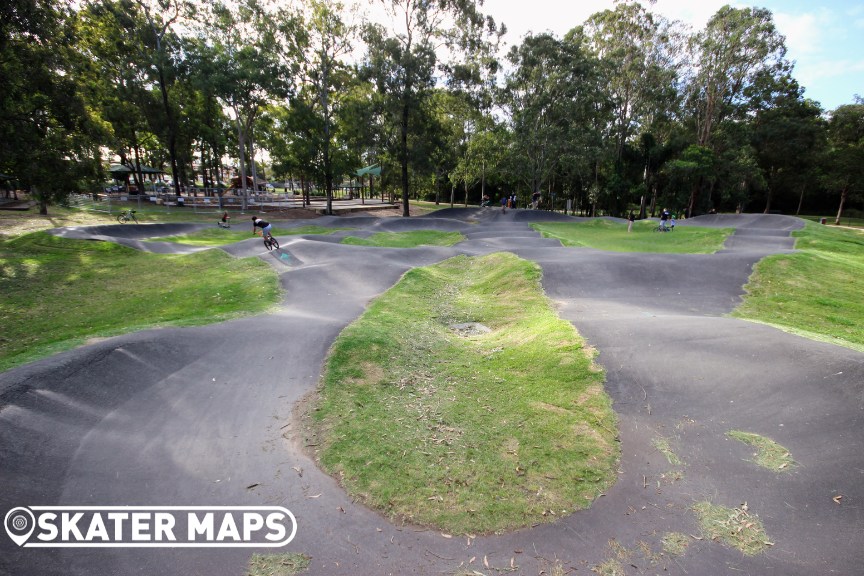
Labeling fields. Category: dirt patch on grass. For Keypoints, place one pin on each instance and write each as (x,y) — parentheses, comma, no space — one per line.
(292,214)
(549,407)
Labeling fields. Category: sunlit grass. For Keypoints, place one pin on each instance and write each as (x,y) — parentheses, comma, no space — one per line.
(407,239)
(604,234)
(815,292)
(57,293)
(220,236)
(468,431)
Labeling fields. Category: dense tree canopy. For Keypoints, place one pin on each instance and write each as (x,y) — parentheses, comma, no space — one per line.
(627,111)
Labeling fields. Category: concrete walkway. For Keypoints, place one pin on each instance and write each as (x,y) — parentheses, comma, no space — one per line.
(200,416)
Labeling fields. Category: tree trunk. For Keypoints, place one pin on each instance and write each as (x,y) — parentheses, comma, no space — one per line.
(172,136)
(136,170)
(403,160)
(800,200)
(252,158)
(694,196)
(241,144)
(770,190)
(843,196)
(43,201)
(653,200)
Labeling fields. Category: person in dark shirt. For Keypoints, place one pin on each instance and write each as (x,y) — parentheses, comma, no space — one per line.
(263,224)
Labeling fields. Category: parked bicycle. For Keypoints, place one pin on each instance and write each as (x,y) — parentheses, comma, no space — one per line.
(126,216)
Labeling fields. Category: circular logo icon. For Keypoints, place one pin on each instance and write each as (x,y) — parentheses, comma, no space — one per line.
(19,524)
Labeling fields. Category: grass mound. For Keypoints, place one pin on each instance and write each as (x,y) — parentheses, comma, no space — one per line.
(59,292)
(609,235)
(468,431)
(816,292)
(220,236)
(407,239)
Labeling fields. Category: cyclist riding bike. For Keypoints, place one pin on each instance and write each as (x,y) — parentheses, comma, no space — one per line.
(264,225)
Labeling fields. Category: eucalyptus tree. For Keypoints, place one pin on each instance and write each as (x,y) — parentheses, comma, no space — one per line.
(404,59)
(693,166)
(151,26)
(736,46)
(845,160)
(787,135)
(116,81)
(321,44)
(50,136)
(555,109)
(466,126)
(637,50)
(211,125)
(289,133)
(483,156)
(246,68)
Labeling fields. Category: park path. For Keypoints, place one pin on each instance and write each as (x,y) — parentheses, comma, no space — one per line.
(200,416)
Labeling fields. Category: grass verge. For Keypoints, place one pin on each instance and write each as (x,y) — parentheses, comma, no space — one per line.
(831,218)
(768,454)
(58,293)
(277,564)
(735,527)
(604,234)
(816,292)
(470,431)
(407,239)
(220,236)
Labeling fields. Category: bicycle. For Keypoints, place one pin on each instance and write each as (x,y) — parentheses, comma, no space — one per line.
(126,216)
(269,241)
(222,224)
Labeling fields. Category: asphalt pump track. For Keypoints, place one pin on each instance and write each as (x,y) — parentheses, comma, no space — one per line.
(203,416)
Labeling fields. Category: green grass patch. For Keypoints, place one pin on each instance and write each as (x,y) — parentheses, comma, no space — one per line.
(816,292)
(407,239)
(58,293)
(470,431)
(277,564)
(768,454)
(604,234)
(735,527)
(830,219)
(675,543)
(662,446)
(220,236)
